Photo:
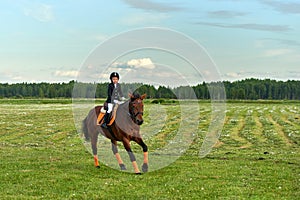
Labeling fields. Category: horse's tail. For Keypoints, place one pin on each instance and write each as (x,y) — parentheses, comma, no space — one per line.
(85,129)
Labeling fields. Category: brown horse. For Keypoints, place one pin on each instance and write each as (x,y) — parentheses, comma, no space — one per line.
(125,128)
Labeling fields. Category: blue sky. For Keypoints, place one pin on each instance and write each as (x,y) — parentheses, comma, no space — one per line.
(48,41)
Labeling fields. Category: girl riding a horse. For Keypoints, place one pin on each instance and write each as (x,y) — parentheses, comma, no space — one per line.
(125,127)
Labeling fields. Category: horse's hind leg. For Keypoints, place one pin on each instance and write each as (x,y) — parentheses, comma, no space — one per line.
(94,141)
(114,148)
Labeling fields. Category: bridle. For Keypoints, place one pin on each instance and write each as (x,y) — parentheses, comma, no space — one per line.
(131,111)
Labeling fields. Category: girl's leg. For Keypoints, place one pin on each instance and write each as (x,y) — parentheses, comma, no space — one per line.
(106,116)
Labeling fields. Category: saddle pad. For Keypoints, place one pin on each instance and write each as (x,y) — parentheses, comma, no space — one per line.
(100,118)
(113,116)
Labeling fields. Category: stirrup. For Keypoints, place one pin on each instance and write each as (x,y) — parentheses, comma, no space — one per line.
(104,125)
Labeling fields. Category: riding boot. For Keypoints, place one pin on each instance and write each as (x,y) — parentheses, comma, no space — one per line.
(106,120)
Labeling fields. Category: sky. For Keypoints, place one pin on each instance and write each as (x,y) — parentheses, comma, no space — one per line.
(54,41)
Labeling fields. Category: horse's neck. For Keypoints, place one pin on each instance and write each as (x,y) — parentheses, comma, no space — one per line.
(123,119)
(124,106)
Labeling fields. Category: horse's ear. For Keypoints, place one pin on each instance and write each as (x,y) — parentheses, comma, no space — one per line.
(130,95)
(143,96)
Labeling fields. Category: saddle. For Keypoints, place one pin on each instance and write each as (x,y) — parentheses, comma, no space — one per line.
(112,116)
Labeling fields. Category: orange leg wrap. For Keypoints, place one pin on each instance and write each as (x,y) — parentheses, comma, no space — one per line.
(135,167)
(146,157)
(96,161)
(118,157)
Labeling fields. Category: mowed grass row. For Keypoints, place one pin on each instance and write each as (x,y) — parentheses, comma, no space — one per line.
(269,125)
(257,156)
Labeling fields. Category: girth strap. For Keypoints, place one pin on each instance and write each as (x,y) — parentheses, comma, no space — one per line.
(111,133)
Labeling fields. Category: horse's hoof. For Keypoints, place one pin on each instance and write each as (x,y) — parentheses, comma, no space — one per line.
(98,167)
(145,167)
(122,166)
(138,173)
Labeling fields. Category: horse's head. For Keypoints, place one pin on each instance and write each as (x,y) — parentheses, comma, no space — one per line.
(136,107)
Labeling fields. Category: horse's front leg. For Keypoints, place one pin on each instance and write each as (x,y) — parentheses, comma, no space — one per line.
(126,144)
(145,150)
(114,148)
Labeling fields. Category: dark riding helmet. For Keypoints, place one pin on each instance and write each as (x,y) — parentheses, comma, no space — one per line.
(114,74)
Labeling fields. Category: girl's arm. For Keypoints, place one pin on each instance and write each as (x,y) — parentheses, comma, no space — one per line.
(109,93)
(120,91)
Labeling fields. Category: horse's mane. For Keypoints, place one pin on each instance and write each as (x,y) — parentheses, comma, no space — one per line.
(135,95)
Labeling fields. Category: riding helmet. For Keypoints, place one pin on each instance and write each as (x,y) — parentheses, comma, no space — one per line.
(114,74)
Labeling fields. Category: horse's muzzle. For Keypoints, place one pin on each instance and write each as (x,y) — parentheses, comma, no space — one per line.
(139,122)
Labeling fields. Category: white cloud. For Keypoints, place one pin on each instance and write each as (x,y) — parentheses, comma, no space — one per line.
(144,18)
(238,75)
(40,12)
(11,76)
(233,75)
(249,26)
(141,63)
(276,52)
(284,7)
(150,5)
(71,73)
(282,75)
(145,63)
(101,37)
(101,76)
(17,78)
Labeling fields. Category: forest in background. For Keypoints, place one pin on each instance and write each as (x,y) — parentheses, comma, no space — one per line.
(247,89)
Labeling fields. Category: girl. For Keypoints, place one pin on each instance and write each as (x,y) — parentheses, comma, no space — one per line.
(114,95)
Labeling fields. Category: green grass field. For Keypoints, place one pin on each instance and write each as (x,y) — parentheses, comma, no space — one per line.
(257,156)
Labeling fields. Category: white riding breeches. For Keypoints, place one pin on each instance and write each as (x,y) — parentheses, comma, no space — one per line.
(110,107)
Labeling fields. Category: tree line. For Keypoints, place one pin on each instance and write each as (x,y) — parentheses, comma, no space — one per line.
(247,89)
